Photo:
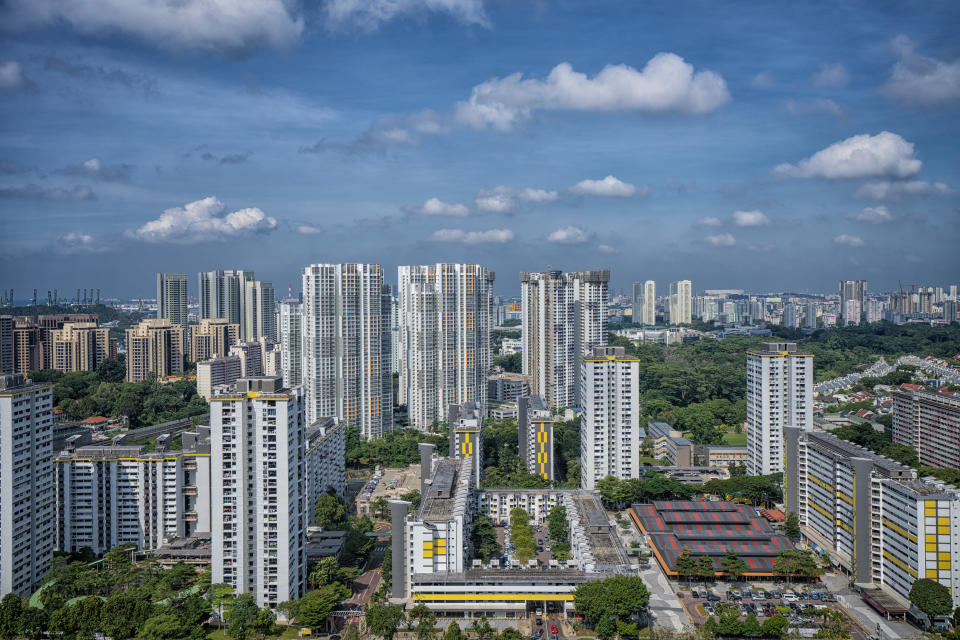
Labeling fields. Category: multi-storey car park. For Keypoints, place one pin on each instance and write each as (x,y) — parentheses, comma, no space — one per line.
(433,561)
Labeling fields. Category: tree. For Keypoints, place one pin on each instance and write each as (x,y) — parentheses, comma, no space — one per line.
(243,614)
(620,597)
(956,617)
(111,370)
(728,623)
(324,572)
(482,628)
(751,627)
(792,526)
(453,632)
(705,568)
(931,597)
(220,597)
(384,620)
(379,507)
(34,622)
(775,626)
(558,525)
(686,564)
(484,538)
(315,607)
(426,621)
(605,628)
(164,626)
(122,615)
(11,616)
(511,633)
(330,512)
(733,565)
(264,622)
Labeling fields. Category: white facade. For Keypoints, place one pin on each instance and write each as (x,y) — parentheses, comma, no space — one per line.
(779,394)
(237,296)
(346,347)
(215,372)
(251,358)
(810,315)
(681,302)
(445,338)
(851,300)
(258,449)
(26,484)
(564,315)
(610,422)
(648,315)
(172,297)
(325,462)
(291,340)
(111,495)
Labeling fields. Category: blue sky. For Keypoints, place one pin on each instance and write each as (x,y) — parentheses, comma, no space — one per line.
(765,146)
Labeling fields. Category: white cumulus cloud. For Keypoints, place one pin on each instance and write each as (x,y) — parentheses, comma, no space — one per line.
(370,14)
(77,242)
(497,200)
(204,220)
(709,221)
(11,76)
(886,190)
(538,195)
(309,229)
(94,168)
(848,240)
(755,218)
(494,236)
(919,81)
(607,249)
(222,26)
(569,235)
(872,215)
(721,240)
(862,156)
(832,75)
(608,187)
(666,84)
(437,207)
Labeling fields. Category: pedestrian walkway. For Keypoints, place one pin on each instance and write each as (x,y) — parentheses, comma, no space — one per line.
(665,607)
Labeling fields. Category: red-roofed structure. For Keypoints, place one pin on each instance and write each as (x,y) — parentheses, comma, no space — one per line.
(96,421)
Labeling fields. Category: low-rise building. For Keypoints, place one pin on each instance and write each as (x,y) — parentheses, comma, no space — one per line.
(724,456)
(507,386)
(669,444)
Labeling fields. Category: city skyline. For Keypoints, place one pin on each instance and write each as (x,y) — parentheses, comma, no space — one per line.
(342,134)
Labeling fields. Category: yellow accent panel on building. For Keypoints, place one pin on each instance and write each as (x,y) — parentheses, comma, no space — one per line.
(900,563)
(895,527)
(820,483)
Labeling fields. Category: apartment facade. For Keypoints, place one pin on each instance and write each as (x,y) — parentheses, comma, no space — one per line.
(930,423)
(681,302)
(346,346)
(878,520)
(325,461)
(26,483)
(212,338)
(648,315)
(466,440)
(564,315)
(779,394)
(236,294)
(216,372)
(155,348)
(610,422)
(80,346)
(109,495)
(445,338)
(535,421)
(258,474)
(172,297)
(290,334)
(851,300)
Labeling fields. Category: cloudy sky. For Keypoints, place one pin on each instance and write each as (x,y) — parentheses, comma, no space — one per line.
(766,146)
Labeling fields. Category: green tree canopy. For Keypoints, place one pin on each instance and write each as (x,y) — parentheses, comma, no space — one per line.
(384,620)
(616,597)
(317,605)
(931,597)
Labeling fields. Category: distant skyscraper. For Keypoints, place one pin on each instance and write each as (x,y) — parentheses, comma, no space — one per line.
(636,302)
(172,297)
(649,311)
(395,334)
(7,350)
(810,315)
(564,314)
(779,394)
(212,338)
(26,484)
(610,422)
(81,346)
(681,302)
(291,341)
(445,338)
(953,293)
(257,460)
(791,315)
(345,372)
(240,298)
(852,291)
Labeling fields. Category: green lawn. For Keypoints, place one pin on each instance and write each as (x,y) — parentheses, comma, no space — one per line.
(288,633)
(649,460)
(735,439)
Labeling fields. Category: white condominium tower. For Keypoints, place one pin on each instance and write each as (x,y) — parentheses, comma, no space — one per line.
(290,333)
(648,305)
(610,422)
(779,394)
(26,483)
(851,300)
(564,314)
(346,346)
(241,299)
(681,302)
(172,297)
(258,449)
(445,338)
